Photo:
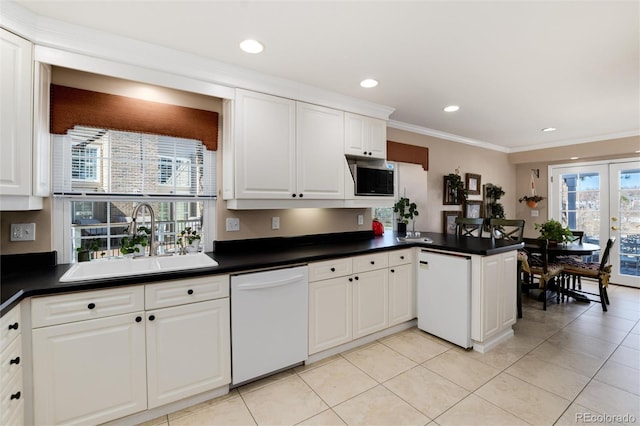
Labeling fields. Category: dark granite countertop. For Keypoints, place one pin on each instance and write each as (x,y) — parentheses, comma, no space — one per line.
(33,280)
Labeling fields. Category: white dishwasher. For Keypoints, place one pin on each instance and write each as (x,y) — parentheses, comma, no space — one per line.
(444,296)
(269,316)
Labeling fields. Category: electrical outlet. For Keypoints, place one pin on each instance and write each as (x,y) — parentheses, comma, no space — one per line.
(275,222)
(23,232)
(360,219)
(233,224)
(534,213)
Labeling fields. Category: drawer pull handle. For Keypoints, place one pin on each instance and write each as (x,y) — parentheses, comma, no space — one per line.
(91,305)
(138,318)
(13,326)
(373,263)
(152,317)
(16,395)
(393,270)
(401,257)
(189,291)
(350,279)
(15,361)
(333,269)
(357,278)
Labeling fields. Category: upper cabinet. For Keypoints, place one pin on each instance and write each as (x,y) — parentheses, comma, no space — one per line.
(24,171)
(365,137)
(280,149)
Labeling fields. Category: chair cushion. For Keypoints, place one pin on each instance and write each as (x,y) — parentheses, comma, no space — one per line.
(553,269)
(582,268)
(522,256)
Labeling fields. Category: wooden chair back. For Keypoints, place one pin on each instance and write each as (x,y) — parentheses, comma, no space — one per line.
(469,227)
(507,229)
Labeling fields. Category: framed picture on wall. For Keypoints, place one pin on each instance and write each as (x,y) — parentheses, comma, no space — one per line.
(449,221)
(472,183)
(472,209)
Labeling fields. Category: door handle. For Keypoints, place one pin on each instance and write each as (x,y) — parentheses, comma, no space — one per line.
(614,219)
(614,228)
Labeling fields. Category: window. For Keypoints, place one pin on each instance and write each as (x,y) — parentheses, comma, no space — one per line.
(101,175)
(384,215)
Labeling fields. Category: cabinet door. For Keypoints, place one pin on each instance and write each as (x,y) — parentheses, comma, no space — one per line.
(188,350)
(508,288)
(370,302)
(264,146)
(401,294)
(15,115)
(491,287)
(377,138)
(89,372)
(320,158)
(365,136)
(330,314)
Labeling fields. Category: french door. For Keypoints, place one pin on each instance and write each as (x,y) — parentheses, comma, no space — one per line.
(603,200)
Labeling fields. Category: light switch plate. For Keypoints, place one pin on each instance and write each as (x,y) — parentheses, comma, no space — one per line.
(360,219)
(23,232)
(275,222)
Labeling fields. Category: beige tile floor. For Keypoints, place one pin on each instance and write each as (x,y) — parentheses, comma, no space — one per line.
(569,365)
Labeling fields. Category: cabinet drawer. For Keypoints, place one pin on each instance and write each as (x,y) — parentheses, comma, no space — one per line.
(370,262)
(12,399)
(180,292)
(10,324)
(65,308)
(10,362)
(400,257)
(330,269)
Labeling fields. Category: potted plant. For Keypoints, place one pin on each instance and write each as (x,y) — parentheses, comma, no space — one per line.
(531,200)
(87,247)
(189,240)
(404,210)
(495,209)
(553,231)
(135,244)
(457,192)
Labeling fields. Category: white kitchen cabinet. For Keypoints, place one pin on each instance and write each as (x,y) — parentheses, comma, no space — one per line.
(330,313)
(402,289)
(370,302)
(493,297)
(12,393)
(187,350)
(365,137)
(264,146)
(90,372)
(104,354)
(320,163)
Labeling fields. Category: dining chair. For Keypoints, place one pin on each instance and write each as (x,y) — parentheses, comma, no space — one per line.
(537,265)
(506,229)
(577,238)
(600,271)
(469,227)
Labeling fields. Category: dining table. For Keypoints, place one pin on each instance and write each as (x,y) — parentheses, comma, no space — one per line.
(575,248)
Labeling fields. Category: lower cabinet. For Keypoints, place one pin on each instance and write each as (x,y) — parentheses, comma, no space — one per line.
(363,297)
(97,370)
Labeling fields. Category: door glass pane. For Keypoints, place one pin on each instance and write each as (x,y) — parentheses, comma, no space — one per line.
(580,205)
(629,221)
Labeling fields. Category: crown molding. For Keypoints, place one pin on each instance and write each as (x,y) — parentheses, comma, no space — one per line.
(444,135)
(577,141)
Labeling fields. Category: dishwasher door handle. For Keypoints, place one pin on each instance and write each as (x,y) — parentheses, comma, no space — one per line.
(424,262)
(258,286)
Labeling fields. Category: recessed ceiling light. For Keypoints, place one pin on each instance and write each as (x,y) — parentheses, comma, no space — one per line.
(451,108)
(369,83)
(251,46)
(574,158)
(549,129)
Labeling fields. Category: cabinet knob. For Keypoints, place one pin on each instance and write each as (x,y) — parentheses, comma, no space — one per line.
(16,395)
(357,278)
(365,153)
(138,318)
(91,305)
(333,269)
(294,195)
(402,257)
(189,291)
(152,317)
(373,262)
(393,270)
(13,326)
(350,279)
(15,361)
(301,195)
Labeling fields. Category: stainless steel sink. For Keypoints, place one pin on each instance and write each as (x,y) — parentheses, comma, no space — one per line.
(124,267)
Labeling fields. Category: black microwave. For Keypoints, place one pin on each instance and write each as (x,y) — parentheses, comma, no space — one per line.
(373,180)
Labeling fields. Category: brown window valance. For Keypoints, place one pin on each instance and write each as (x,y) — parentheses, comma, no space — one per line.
(408,154)
(70,107)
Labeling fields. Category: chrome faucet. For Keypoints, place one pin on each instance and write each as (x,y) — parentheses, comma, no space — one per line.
(153,246)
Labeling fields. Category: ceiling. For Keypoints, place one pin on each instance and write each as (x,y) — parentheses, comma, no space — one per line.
(514,67)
